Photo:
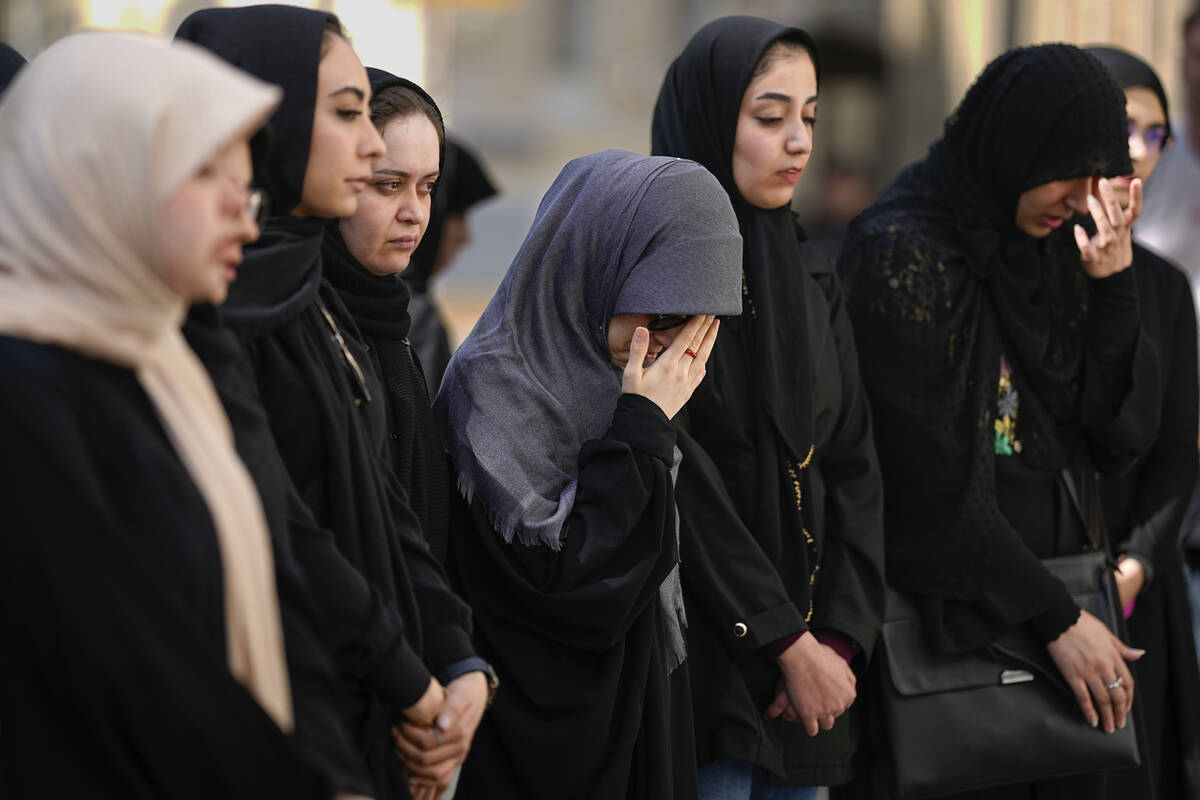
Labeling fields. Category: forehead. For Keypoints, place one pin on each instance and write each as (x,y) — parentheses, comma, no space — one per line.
(1143,105)
(340,67)
(791,72)
(412,145)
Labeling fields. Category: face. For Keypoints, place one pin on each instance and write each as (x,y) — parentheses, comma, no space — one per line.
(1146,118)
(456,234)
(394,210)
(620,334)
(202,227)
(1045,208)
(775,131)
(343,139)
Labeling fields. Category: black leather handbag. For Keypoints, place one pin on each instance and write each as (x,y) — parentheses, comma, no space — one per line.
(998,715)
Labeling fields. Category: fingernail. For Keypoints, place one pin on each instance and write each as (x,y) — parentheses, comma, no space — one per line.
(1139,651)
(1094,722)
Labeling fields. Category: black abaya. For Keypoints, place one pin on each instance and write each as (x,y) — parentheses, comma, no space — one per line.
(588,709)
(115,680)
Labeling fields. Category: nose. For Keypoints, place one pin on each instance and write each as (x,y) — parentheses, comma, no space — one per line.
(1137,147)
(663,339)
(800,138)
(370,144)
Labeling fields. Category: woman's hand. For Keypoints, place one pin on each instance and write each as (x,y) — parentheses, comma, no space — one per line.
(425,711)
(676,371)
(1131,579)
(432,753)
(1111,250)
(817,685)
(1091,660)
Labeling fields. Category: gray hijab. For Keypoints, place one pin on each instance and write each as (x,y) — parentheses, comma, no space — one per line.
(617,233)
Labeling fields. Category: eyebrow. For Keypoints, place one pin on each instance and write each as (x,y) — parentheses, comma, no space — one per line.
(354,90)
(786,98)
(398,173)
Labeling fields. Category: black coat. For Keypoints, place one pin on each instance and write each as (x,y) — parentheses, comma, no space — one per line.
(587,708)
(323,406)
(1144,509)
(113,674)
(747,552)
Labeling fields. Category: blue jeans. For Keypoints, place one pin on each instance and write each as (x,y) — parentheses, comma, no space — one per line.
(732,779)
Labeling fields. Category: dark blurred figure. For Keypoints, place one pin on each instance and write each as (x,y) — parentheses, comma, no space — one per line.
(464,183)
(10,63)
(846,191)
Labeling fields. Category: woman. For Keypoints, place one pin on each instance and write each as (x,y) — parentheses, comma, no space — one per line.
(1144,506)
(143,646)
(783,576)
(564,448)
(463,185)
(364,254)
(1001,346)
(395,623)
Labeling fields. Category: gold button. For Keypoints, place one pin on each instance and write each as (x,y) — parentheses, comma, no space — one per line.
(740,630)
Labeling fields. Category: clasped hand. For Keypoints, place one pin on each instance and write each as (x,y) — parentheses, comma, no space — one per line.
(816,686)
(435,736)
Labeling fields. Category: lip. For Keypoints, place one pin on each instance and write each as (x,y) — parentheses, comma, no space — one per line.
(791,175)
(403,242)
(359,183)
(1053,223)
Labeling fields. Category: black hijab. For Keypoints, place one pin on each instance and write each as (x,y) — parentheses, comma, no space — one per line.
(944,283)
(280,45)
(696,117)
(11,63)
(463,184)
(1129,70)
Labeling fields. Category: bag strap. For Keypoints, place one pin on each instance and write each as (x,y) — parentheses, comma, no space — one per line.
(1091,513)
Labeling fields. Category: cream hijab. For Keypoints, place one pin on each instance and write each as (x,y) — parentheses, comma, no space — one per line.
(95,135)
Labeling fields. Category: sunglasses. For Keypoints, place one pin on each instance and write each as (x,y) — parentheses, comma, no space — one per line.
(1153,137)
(664,322)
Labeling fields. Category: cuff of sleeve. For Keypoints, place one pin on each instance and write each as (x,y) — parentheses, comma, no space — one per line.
(1049,625)
(640,423)
(775,649)
(457,669)
(448,645)
(746,635)
(842,645)
(401,679)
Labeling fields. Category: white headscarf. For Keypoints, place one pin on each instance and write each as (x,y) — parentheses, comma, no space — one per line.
(95,135)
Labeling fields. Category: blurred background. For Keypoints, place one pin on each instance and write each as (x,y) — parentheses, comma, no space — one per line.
(530,84)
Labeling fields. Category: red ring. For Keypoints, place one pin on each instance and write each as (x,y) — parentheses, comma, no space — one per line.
(690,352)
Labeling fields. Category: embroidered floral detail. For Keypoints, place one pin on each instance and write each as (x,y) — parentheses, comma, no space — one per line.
(1007,405)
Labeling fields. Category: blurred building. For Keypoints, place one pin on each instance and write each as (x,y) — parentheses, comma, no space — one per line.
(533,83)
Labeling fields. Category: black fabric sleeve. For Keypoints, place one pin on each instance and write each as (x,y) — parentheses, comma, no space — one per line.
(107,688)
(724,567)
(619,542)
(850,593)
(1121,375)
(445,618)
(1168,471)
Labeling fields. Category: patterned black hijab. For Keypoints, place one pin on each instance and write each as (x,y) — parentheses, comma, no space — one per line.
(696,117)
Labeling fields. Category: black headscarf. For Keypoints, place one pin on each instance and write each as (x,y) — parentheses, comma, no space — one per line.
(11,63)
(944,283)
(281,45)
(696,117)
(463,184)
(1129,70)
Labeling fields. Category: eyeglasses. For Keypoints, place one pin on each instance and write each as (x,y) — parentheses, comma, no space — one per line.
(256,205)
(1153,137)
(664,322)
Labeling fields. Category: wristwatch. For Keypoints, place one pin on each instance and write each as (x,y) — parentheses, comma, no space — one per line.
(473,664)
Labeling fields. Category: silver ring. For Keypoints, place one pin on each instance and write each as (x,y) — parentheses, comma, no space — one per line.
(1117,683)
